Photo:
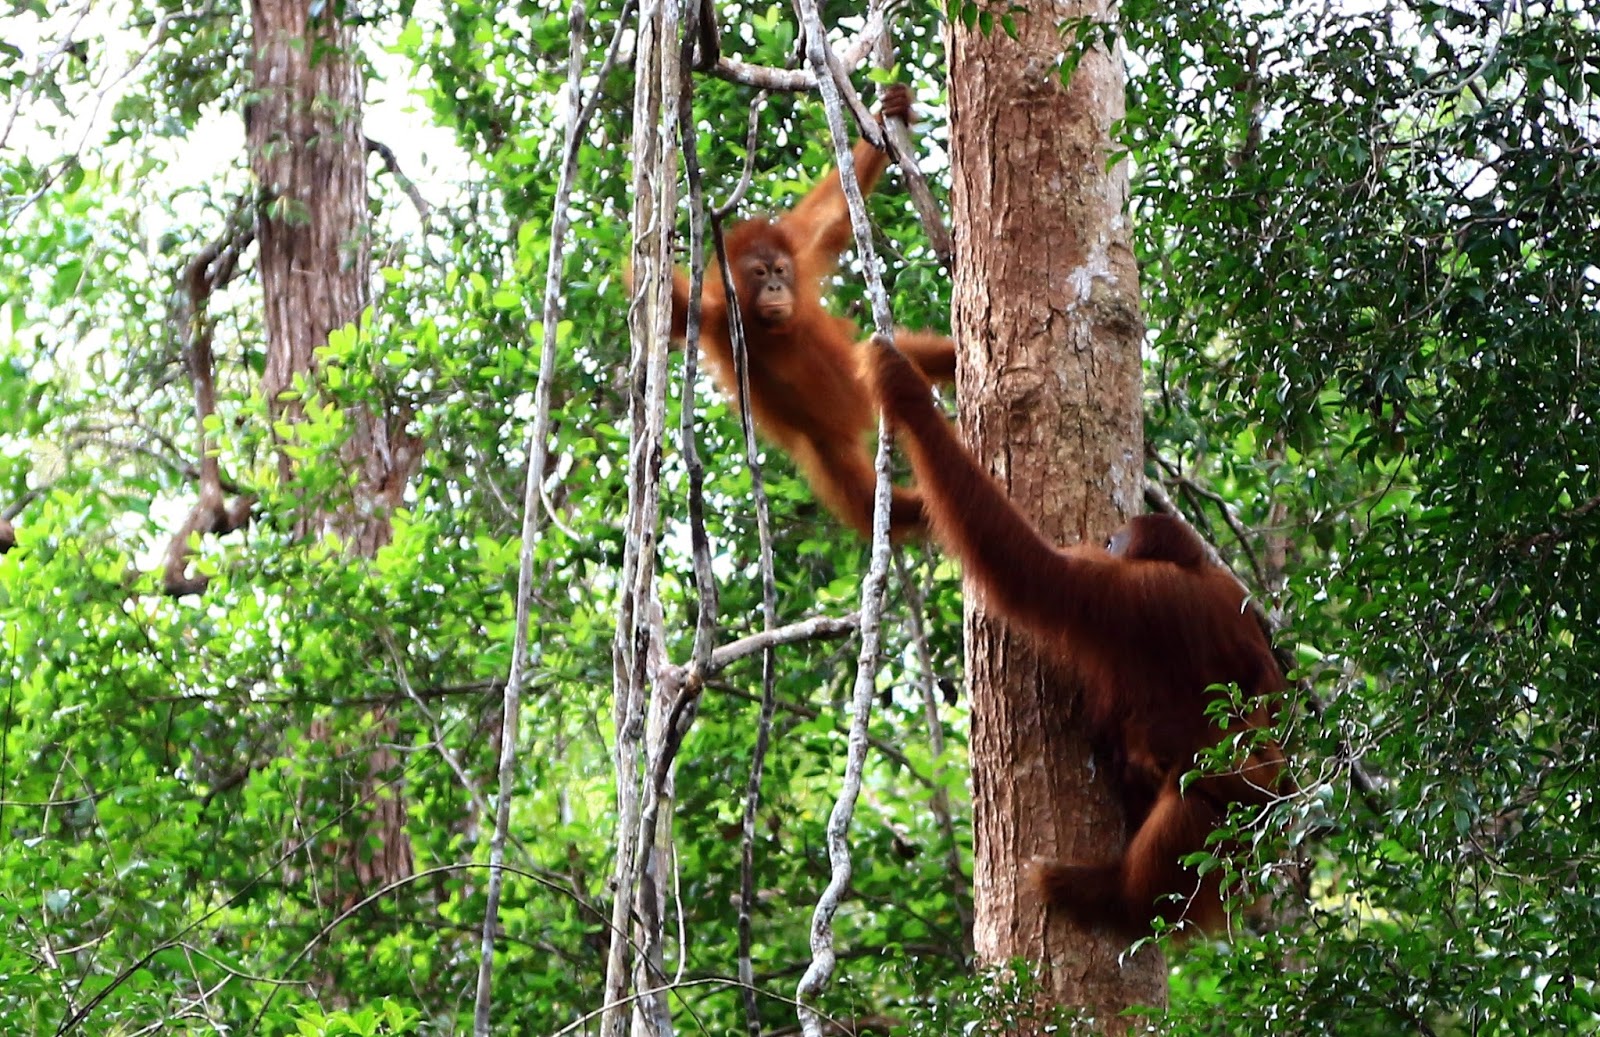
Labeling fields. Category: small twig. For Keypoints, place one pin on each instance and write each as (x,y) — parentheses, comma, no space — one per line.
(1563,530)
(104,990)
(751,142)
(190,948)
(1469,80)
(373,897)
(885,748)
(65,48)
(392,164)
(403,679)
(537,449)
(939,803)
(88,121)
(613,50)
(675,988)
(898,138)
(1190,486)
(769,617)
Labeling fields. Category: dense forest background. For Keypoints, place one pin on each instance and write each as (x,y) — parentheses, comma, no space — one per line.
(1368,235)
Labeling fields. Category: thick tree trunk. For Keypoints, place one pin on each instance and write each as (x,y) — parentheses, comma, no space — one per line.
(309,157)
(1046,308)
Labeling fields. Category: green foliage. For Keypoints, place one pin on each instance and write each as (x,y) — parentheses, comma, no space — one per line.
(386,1019)
(994,999)
(176,774)
(1370,272)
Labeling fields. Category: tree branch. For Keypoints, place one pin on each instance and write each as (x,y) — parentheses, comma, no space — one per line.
(939,802)
(819,55)
(799,80)
(210,270)
(392,164)
(579,111)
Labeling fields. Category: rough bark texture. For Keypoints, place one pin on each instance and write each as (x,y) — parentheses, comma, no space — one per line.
(1046,311)
(638,909)
(309,158)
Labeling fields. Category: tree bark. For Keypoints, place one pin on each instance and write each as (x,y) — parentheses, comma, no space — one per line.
(308,154)
(1046,311)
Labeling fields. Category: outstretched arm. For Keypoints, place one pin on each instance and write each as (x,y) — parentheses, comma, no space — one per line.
(820,225)
(934,354)
(1049,590)
(842,477)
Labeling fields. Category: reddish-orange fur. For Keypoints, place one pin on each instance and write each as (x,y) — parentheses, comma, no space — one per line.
(807,392)
(1148,627)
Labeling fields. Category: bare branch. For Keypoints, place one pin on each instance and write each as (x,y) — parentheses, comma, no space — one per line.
(707,39)
(392,164)
(579,112)
(750,144)
(818,628)
(785,80)
(700,543)
(870,128)
(674,703)
(12,510)
(801,80)
(8,533)
(822,952)
(769,616)
(939,802)
(905,156)
(613,50)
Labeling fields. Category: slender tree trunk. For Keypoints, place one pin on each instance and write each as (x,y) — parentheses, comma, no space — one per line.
(638,909)
(1046,308)
(309,157)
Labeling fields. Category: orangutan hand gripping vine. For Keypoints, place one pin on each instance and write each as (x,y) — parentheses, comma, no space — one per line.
(807,391)
(1148,625)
